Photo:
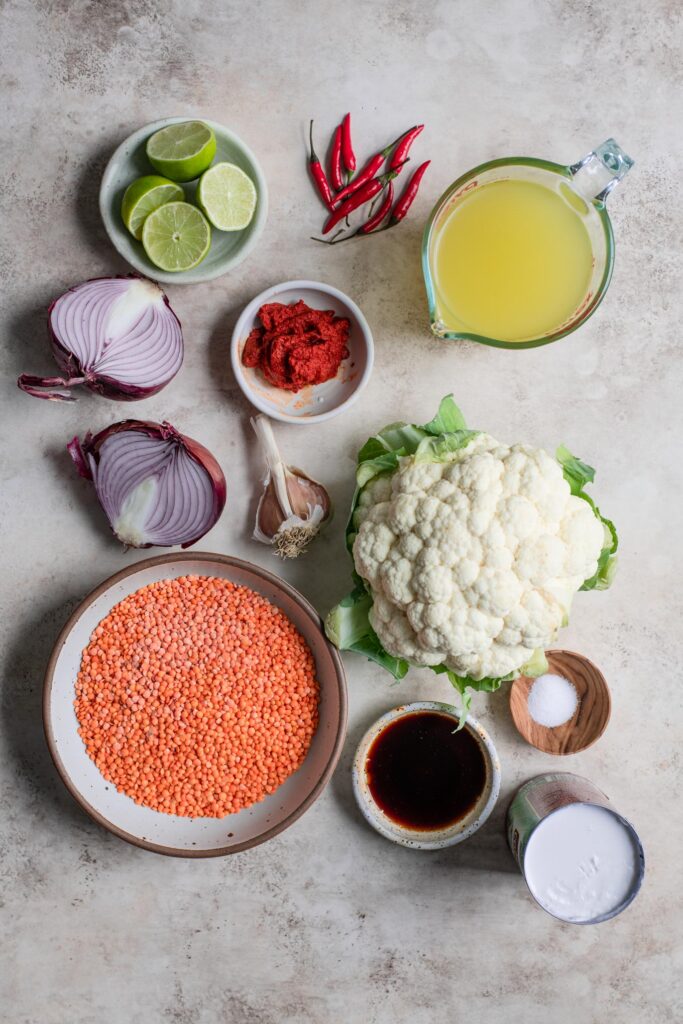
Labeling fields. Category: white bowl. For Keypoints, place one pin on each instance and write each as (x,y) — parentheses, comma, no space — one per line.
(166,833)
(420,839)
(318,402)
(228,248)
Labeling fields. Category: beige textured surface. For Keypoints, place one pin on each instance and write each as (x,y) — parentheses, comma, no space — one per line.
(330,924)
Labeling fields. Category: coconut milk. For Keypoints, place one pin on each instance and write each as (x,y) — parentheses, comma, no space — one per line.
(582,861)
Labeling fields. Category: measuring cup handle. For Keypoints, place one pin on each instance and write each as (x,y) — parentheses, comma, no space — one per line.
(597,173)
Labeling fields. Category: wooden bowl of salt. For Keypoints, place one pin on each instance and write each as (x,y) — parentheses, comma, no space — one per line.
(566,709)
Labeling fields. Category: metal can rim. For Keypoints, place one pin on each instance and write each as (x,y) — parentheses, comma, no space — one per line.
(640,853)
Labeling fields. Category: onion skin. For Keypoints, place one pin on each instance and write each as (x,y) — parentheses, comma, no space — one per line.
(75,374)
(91,445)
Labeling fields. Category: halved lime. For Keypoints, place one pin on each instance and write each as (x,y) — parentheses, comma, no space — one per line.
(145,195)
(176,236)
(227,196)
(182,151)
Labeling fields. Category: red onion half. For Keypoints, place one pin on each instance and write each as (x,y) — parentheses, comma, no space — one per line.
(116,335)
(156,486)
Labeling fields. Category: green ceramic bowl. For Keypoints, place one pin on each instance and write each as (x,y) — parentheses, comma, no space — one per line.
(228,248)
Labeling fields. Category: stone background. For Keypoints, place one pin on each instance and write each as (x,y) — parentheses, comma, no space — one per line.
(329,923)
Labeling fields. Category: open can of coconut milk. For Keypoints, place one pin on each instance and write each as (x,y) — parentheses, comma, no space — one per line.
(583,862)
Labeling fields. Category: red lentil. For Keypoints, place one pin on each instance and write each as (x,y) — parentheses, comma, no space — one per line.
(196,697)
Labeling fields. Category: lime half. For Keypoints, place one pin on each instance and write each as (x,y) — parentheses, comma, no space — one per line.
(182,151)
(145,195)
(176,236)
(227,196)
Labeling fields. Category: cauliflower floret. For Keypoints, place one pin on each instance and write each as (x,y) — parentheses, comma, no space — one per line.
(415,477)
(473,562)
(395,578)
(373,544)
(434,583)
(581,531)
(403,512)
(375,493)
(398,636)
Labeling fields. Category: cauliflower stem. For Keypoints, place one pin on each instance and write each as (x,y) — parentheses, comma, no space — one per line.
(467,553)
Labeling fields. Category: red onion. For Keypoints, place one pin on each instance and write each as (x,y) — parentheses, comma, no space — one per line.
(156,486)
(116,335)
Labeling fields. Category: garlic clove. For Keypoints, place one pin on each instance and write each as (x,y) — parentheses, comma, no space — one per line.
(269,515)
(305,492)
(293,506)
(305,496)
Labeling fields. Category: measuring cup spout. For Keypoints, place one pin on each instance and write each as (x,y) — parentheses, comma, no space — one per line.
(597,173)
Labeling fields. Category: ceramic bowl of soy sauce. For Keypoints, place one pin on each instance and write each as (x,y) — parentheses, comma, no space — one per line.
(421,782)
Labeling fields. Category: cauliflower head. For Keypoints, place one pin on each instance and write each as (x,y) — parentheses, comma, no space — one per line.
(473,562)
(467,552)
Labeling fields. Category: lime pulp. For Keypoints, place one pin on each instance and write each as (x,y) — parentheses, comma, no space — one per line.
(182,151)
(227,196)
(143,196)
(176,237)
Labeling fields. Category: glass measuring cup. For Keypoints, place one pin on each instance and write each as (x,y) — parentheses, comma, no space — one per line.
(584,185)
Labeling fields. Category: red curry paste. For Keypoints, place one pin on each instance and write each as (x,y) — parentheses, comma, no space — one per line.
(296,345)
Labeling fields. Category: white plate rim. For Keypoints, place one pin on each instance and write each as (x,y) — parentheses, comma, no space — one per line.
(145,844)
(415,839)
(247,315)
(196,275)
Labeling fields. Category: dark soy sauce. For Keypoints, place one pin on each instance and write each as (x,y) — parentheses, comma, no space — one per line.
(424,775)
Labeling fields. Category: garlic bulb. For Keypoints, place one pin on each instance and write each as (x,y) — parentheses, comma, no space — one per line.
(293,507)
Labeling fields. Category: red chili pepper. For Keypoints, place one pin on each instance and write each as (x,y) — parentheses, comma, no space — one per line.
(368,173)
(318,175)
(377,219)
(361,196)
(347,149)
(371,224)
(409,193)
(335,160)
(401,151)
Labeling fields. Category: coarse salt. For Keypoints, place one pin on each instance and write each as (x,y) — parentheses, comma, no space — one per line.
(552,700)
